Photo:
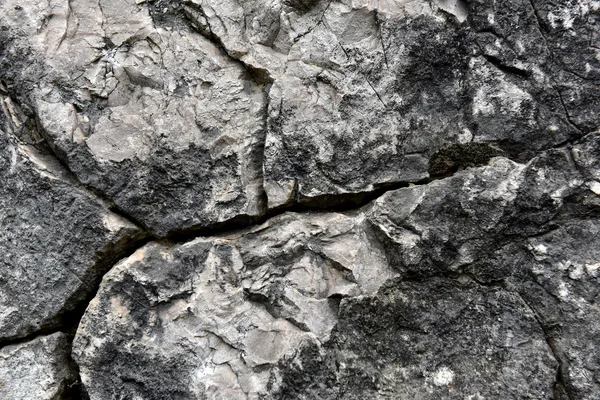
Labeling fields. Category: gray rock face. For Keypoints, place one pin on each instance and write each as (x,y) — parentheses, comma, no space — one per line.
(350,199)
(166,122)
(434,291)
(38,369)
(218,315)
(56,239)
(365,91)
(159,121)
(513,226)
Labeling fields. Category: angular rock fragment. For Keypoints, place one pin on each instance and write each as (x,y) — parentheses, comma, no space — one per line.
(532,229)
(446,226)
(56,239)
(37,369)
(212,318)
(160,121)
(362,106)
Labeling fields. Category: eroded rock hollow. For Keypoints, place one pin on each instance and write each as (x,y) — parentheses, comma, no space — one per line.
(299,199)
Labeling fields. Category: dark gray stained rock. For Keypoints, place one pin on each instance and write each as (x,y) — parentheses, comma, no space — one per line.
(38,369)
(531,229)
(433,339)
(565,265)
(56,240)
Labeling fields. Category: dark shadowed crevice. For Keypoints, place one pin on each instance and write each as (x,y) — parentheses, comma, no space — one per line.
(443,164)
(495,61)
(448,160)
(68,321)
(75,390)
(344,202)
(567,114)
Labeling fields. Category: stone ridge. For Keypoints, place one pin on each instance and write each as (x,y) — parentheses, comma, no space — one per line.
(315,199)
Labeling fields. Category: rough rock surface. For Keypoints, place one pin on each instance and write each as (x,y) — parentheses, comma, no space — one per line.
(218,315)
(56,239)
(364,91)
(472,285)
(37,369)
(159,121)
(347,199)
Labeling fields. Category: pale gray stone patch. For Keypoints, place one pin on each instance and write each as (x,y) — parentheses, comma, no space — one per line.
(37,369)
(161,122)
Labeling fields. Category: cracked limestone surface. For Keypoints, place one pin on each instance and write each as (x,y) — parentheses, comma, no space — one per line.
(56,239)
(483,284)
(475,278)
(212,318)
(160,121)
(36,369)
(365,91)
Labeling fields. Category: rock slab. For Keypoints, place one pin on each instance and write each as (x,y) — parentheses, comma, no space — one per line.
(57,240)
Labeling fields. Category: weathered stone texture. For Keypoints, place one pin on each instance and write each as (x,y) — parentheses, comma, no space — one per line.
(159,121)
(37,369)
(56,240)
(473,285)
(217,315)
(347,199)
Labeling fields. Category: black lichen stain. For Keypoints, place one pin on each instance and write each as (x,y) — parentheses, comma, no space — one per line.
(460,155)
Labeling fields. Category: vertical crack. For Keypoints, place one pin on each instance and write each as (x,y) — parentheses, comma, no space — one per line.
(566,111)
(378,22)
(560,384)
